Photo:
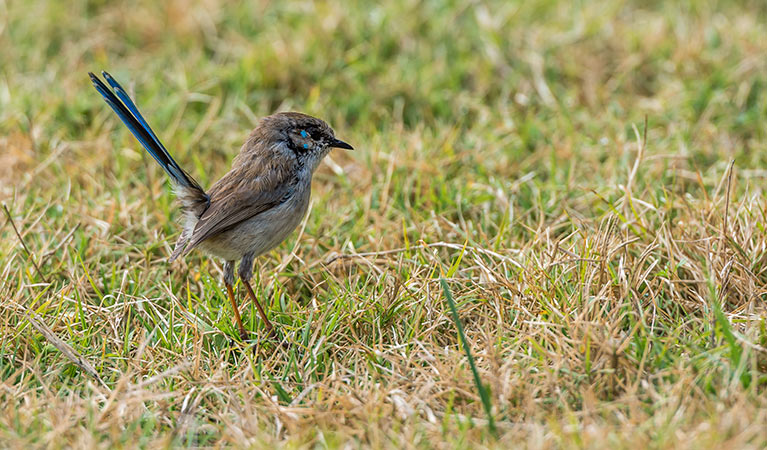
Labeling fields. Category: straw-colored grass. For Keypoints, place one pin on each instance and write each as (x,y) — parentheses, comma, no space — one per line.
(609,274)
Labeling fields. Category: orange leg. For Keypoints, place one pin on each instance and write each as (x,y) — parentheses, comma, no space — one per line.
(237,319)
(261,311)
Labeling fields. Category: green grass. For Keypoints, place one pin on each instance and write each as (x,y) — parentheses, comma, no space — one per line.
(609,279)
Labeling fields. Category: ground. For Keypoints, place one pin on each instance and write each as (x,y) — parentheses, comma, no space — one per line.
(584,179)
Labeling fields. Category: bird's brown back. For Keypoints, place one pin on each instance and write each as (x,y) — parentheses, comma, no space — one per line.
(263,175)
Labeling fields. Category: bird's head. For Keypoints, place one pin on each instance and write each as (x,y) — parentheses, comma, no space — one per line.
(304,137)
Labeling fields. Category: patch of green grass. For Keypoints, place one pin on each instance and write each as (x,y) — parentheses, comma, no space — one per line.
(602,298)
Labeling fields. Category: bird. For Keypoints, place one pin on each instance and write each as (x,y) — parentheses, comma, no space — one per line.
(254,206)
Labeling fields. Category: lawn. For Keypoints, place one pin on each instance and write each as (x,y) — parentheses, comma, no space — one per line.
(574,188)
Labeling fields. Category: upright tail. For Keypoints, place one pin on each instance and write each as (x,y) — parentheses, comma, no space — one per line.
(190,193)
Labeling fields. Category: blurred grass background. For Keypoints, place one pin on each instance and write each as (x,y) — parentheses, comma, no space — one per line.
(612,287)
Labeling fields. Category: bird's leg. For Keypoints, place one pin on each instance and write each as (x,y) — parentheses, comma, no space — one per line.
(229,282)
(246,272)
(243,331)
(261,311)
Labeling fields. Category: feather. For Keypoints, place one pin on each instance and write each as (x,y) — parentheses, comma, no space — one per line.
(128,112)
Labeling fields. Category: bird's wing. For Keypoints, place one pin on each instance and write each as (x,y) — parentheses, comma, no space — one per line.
(238,197)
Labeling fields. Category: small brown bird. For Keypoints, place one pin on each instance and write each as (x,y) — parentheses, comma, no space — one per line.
(252,208)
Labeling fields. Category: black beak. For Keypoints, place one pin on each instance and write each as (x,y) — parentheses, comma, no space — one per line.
(337,143)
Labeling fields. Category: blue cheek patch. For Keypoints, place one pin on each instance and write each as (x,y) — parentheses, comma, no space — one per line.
(304,134)
(306,145)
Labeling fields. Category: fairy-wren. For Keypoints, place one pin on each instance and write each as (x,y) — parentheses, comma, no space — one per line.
(252,208)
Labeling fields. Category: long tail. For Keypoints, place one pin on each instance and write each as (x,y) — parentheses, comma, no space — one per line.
(127,111)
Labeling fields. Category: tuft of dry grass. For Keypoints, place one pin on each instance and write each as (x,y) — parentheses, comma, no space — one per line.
(587,179)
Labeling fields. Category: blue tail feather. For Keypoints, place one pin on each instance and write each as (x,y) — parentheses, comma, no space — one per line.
(127,111)
(132,107)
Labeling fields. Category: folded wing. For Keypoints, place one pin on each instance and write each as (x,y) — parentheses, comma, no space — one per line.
(237,198)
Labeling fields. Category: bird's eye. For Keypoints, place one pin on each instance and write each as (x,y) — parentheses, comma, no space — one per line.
(304,134)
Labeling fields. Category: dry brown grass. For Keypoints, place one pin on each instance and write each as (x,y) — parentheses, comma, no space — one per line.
(610,278)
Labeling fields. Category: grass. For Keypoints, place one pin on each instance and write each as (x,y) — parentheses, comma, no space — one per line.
(609,273)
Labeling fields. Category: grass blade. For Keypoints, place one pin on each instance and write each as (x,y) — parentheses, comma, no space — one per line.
(484,391)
